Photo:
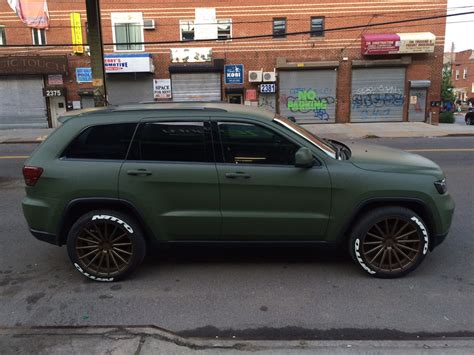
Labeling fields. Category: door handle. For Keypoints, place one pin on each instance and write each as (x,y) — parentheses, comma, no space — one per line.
(237,175)
(139,172)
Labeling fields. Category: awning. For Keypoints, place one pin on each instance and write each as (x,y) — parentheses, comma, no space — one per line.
(420,83)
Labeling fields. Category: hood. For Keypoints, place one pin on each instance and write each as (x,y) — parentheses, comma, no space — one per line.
(385,159)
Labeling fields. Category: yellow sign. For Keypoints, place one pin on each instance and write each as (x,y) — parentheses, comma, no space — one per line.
(76,31)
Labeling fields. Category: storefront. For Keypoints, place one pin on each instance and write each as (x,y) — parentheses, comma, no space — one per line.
(129,78)
(28,99)
(195,76)
(307,91)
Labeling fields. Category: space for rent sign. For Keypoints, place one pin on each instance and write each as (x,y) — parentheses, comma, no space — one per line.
(162,89)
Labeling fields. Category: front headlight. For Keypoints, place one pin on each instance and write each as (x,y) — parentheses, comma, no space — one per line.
(441,186)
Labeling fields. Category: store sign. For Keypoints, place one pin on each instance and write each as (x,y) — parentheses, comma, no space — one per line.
(12,65)
(234,73)
(84,75)
(398,43)
(128,63)
(76,33)
(55,79)
(267,88)
(191,55)
(54,92)
(162,89)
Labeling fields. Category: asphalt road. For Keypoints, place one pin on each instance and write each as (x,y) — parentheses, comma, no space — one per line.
(248,292)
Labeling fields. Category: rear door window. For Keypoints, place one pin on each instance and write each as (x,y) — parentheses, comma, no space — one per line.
(173,142)
(107,142)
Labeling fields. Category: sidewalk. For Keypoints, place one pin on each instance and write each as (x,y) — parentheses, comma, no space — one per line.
(332,130)
(152,340)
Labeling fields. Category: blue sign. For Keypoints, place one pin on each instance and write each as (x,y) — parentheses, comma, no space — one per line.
(267,88)
(234,73)
(84,75)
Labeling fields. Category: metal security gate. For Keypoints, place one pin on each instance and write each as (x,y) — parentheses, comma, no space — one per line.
(129,88)
(308,95)
(378,94)
(22,104)
(196,86)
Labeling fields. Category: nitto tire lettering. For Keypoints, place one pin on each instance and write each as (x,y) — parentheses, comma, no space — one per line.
(359,258)
(425,233)
(92,276)
(113,219)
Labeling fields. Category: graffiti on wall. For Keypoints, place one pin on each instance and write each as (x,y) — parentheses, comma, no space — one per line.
(267,102)
(379,101)
(304,100)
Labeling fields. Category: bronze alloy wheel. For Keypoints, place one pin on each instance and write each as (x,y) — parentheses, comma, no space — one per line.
(104,248)
(392,245)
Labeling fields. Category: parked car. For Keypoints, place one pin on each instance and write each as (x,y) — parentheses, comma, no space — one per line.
(469,117)
(109,182)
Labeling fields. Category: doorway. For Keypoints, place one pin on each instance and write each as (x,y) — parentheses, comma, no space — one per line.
(417,107)
(235,99)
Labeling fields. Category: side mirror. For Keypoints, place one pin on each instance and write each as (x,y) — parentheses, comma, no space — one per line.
(304,158)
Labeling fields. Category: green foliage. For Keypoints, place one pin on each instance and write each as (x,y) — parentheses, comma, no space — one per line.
(446,117)
(447,94)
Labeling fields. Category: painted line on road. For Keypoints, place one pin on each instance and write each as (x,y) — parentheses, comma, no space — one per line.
(441,150)
(14,157)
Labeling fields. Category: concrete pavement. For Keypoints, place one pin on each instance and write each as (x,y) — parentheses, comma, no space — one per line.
(331,130)
(153,340)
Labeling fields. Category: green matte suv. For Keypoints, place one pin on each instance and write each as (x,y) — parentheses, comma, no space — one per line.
(110,182)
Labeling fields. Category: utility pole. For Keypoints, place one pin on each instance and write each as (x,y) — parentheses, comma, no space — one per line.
(94,39)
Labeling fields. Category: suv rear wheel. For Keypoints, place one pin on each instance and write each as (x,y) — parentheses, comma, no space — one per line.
(389,242)
(106,245)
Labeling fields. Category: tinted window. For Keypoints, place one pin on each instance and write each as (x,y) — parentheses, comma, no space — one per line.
(102,142)
(173,141)
(244,143)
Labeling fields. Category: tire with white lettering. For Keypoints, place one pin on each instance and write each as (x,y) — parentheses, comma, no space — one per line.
(105,245)
(389,242)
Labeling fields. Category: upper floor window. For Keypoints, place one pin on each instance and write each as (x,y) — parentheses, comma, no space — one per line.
(3,38)
(457,74)
(464,74)
(187,28)
(127,31)
(317,26)
(279,27)
(39,36)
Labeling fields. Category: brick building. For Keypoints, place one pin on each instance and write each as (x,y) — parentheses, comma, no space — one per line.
(364,74)
(462,69)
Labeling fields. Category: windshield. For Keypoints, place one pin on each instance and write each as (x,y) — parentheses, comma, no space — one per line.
(318,142)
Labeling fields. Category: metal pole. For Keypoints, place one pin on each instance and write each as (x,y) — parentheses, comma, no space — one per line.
(94,39)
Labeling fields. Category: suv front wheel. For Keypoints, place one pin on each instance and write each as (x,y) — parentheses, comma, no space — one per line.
(389,242)
(106,245)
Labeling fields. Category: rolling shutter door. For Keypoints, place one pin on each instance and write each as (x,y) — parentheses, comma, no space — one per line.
(22,104)
(378,94)
(308,95)
(196,87)
(129,88)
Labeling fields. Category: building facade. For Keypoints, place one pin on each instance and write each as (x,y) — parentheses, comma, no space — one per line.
(462,69)
(319,62)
